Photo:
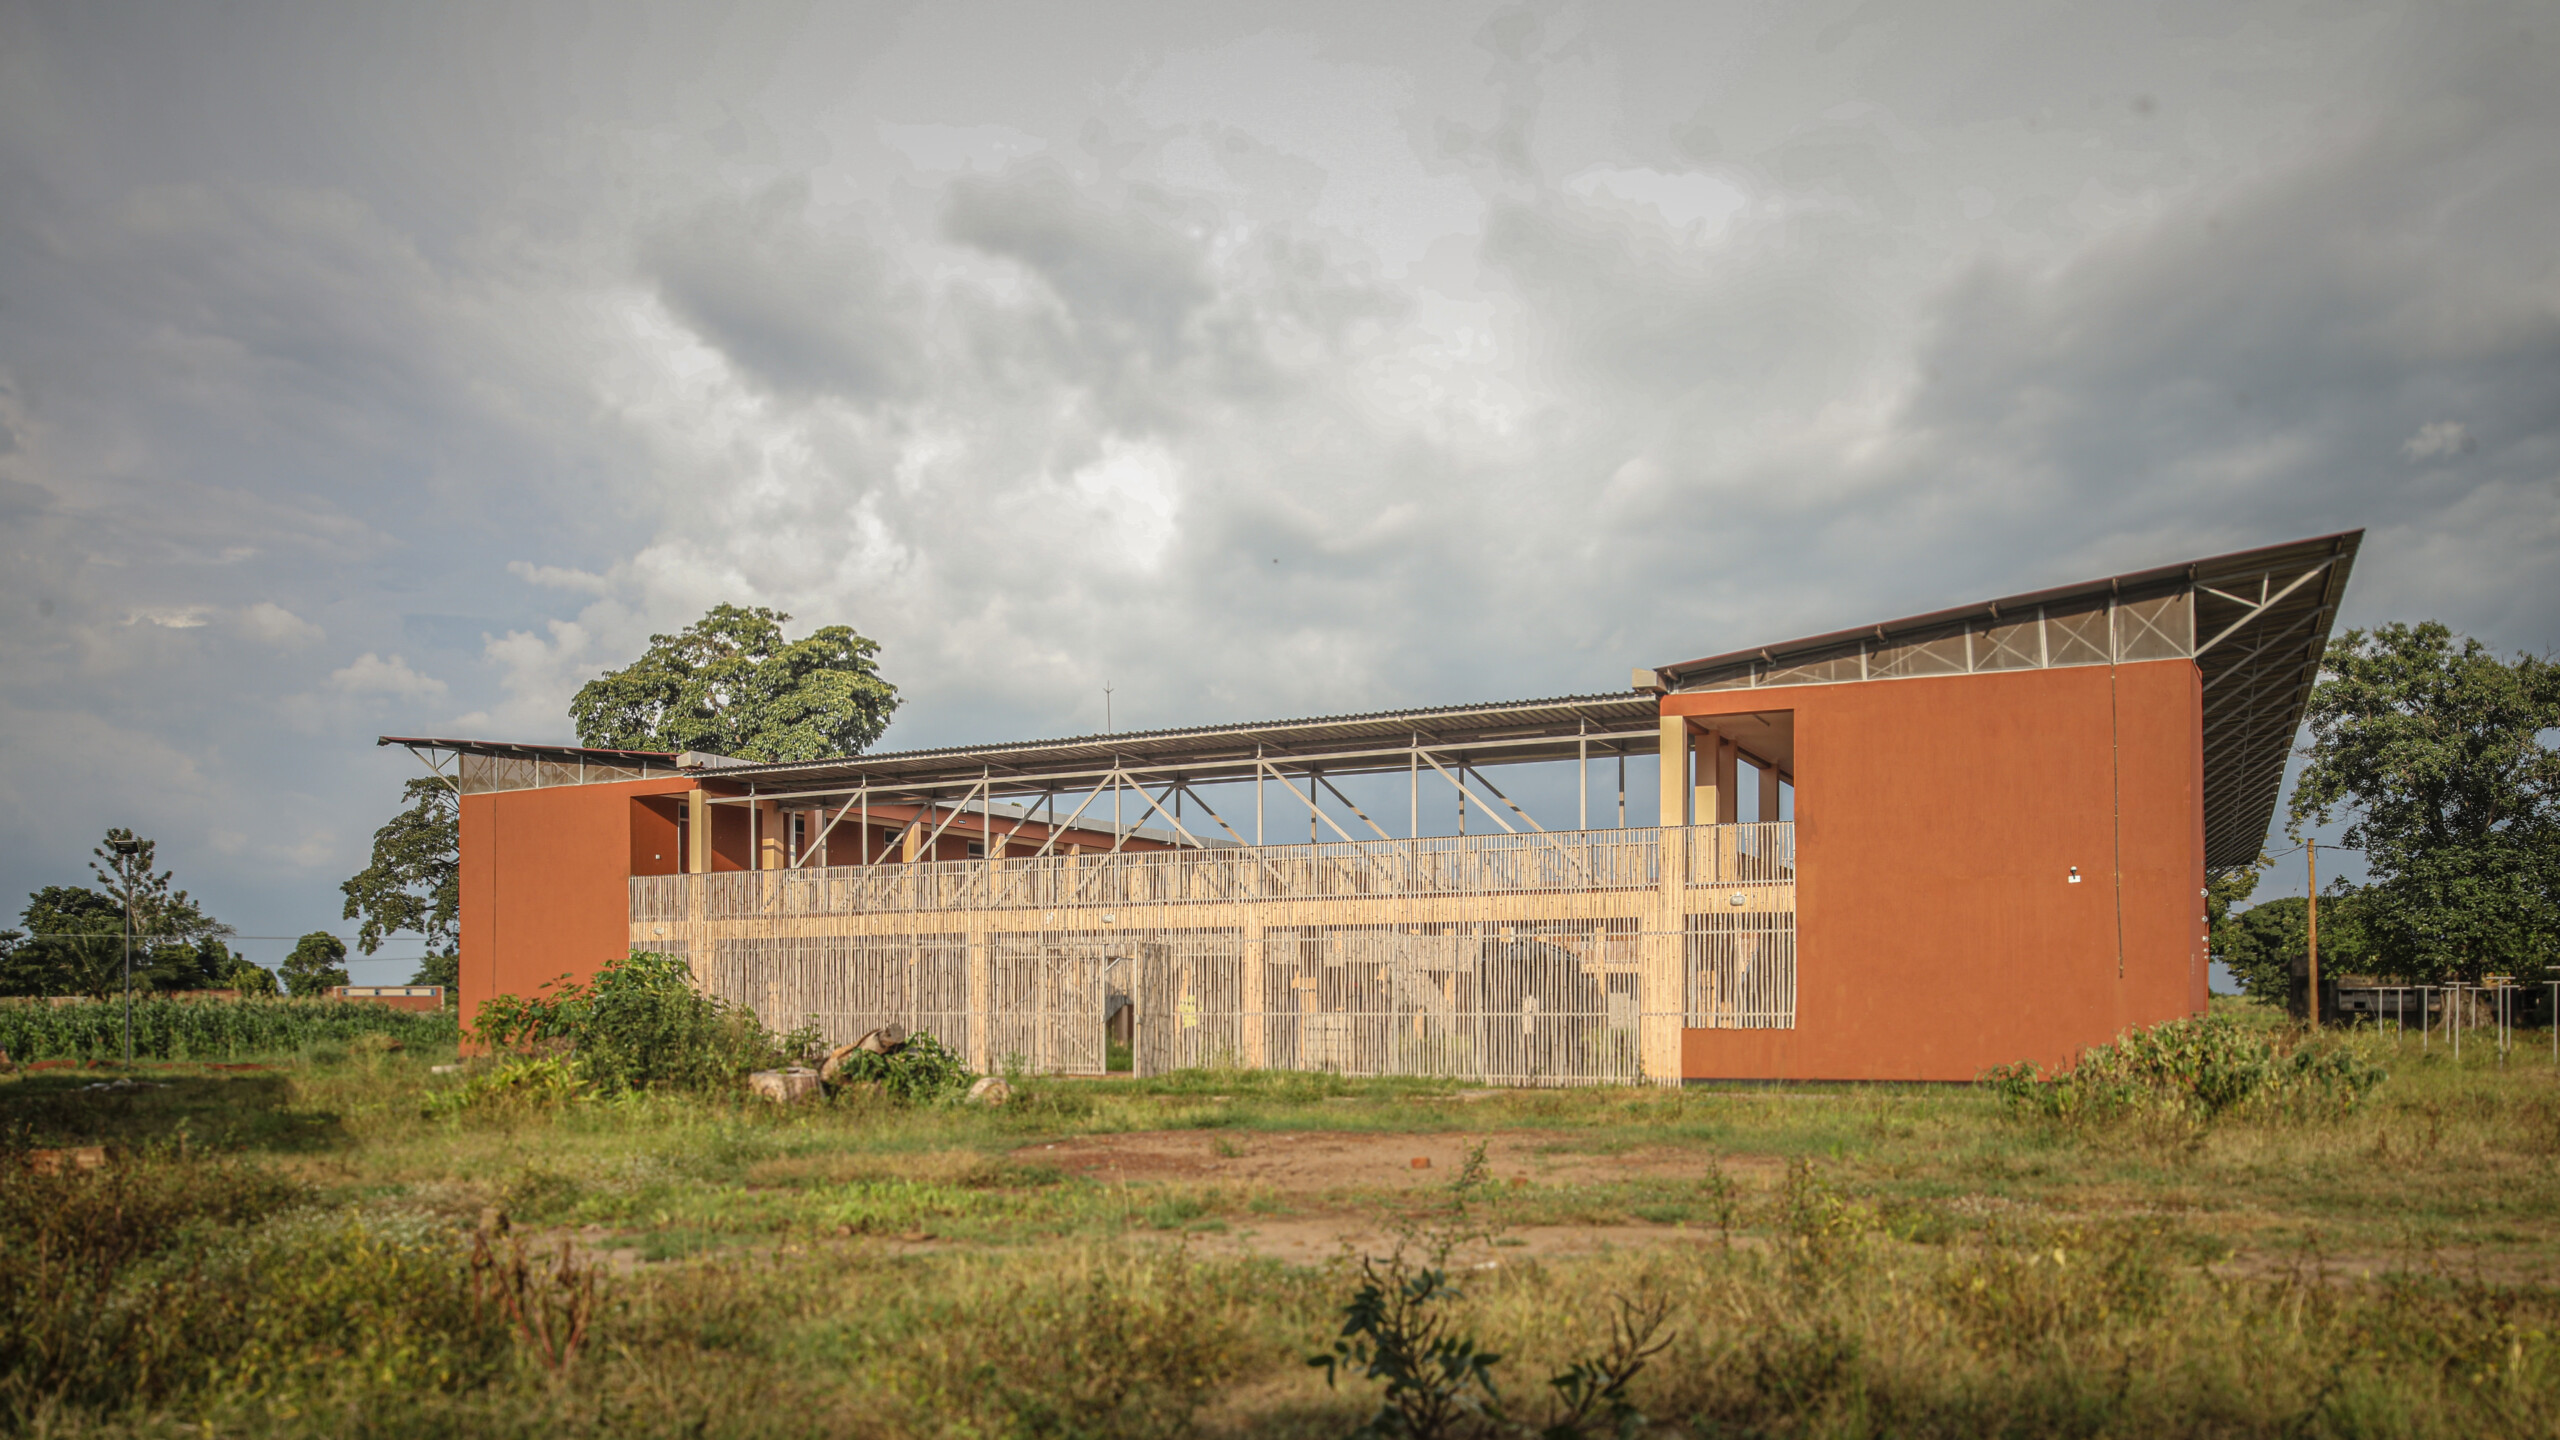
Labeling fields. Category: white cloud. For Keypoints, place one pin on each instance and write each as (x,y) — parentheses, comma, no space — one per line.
(371,676)
(175,617)
(275,625)
(557,577)
(1134,489)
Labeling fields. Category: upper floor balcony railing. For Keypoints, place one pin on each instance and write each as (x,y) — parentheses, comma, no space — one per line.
(1443,866)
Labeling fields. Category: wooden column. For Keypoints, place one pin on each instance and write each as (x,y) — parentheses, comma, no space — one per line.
(982,985)
(1252,1001)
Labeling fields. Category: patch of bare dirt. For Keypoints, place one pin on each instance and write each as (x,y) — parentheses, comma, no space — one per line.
(1319,1239)
(1302,1162)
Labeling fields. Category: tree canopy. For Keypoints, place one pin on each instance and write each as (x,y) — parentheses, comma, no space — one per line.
(318,961)
(730,684)
(74,943)
(415,879)
(2436,752)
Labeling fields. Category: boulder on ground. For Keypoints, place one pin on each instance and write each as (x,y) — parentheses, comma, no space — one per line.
(990,1090)
(784,1087)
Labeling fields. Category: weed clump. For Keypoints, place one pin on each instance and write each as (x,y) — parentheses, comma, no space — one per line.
(2191,1070)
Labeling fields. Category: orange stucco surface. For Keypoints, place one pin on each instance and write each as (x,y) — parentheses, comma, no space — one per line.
(546,880)
(1937,822)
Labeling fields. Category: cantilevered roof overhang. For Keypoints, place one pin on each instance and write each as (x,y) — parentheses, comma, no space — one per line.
(2256,623)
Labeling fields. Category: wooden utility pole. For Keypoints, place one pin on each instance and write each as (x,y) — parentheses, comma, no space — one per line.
(2311,868)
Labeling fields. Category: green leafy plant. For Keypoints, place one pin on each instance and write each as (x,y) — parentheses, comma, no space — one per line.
(1396,1330)
(2195,1070)
(520,1083)
(639,1024)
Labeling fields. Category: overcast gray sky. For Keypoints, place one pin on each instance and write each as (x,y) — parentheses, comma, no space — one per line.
(396,368)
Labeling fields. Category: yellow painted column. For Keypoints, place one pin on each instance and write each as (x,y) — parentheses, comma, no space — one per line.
(697,820)
(1768,793)
(1660,954)
(1675,771)
(770,839)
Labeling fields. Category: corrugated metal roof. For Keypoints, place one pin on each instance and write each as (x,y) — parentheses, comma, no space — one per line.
(1518,729)
(508,750)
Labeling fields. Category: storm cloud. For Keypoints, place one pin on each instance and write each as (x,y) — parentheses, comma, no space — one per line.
(374,370)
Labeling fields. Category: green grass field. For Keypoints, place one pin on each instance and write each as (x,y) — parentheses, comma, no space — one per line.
(316,1247)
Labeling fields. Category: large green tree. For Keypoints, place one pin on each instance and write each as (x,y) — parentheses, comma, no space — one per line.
(74,944)
(730,684)
(414,882)
(2436,752)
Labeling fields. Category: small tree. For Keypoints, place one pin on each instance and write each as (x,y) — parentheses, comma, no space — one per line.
(2435,750)
(730,684)
(317,962)
(253,980)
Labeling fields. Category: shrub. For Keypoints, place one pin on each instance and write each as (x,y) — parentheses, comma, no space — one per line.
(166,1029)
(639,1024)
(2196,1070)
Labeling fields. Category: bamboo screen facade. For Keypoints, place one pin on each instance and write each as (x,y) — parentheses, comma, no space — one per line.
(1535,958)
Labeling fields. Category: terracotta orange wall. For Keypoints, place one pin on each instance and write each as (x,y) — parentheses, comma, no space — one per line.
(1936,823)
(546,881)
